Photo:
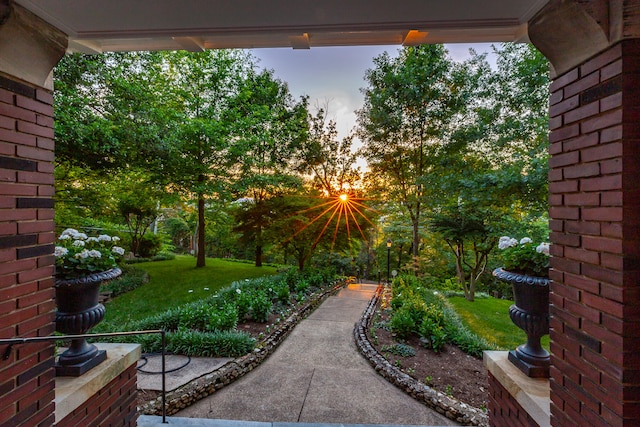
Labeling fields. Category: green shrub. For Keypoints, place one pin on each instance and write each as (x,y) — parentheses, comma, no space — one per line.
(167,321)
(260,307)
(223,318)
(404,350)
(283,293)
(210,344)
(433,334)
(302,286)
(149,245)
(163,256)
(131,279)
(401,323)
(243,303)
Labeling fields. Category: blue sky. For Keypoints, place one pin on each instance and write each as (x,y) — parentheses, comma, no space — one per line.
(336,74)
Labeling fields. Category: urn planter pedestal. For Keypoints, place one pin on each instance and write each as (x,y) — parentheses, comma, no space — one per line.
(78,310)
(531,314)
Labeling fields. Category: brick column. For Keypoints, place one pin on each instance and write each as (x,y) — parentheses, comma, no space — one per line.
(26,248)
(594,180)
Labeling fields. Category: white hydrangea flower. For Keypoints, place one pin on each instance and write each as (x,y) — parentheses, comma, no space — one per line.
(117,250)
(82,255)
(506,242)
(115,239)
(543,248)
(91,239)
(95,254)
(78,243)
(69,232)
(104,238)
(80,236)
(525,240)
(65,237)
(59,251)
(238,291)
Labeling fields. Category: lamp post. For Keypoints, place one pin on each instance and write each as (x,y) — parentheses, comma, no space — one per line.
(388,258)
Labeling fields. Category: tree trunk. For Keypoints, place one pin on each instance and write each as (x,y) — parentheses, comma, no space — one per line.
(416,245)
(200,261)
(258,255)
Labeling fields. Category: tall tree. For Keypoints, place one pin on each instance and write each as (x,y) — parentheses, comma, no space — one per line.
(269,127)
(196,150)
(410,104)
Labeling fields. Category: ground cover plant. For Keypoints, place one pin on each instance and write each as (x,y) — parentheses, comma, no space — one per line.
(489,318)
(176,282)
(223,324)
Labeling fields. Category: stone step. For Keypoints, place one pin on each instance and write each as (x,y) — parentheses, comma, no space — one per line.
(155,421)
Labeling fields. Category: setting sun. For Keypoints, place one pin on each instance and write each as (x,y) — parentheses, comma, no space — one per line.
(344,197)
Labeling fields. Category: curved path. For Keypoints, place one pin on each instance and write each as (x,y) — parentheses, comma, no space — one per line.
(317,375)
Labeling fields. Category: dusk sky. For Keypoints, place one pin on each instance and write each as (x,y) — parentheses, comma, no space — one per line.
(336,74)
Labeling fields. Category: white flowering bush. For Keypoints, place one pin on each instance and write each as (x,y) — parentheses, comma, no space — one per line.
(524,256)
(78,255)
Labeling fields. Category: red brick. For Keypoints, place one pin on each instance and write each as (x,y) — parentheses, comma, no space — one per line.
(602,244)
(568,104)
(601,60)
(14,267)
(602,214)
(565,212)
(35,177)
(555,97)
(45,121)
(36,298)
(555,175)
(34,129)
(46,190)
(582,199)
(613,230)
(581,170)
(17,113)
(555,148)
(565,239)
(580,142)
(35,227)
(8,189)
(611,102)
(583,84)
(605,305)
(612,323)
(18,214)
(44,96)
(583,283)
(602,121)
(566,132)
(34,153)
(33,105)
(7,149)
(563,186)
(45,167)
(611,166)
(602,183)
(611,70)
(35,274)
(565,159)
(33,324)
(555,122)
(8,175)
(565,265)
(582,112)
(611,134)
(556,199)
(563,80)
(556,251)
(556,225)
(46,143)
(614,293)
(602,274)
(17,137)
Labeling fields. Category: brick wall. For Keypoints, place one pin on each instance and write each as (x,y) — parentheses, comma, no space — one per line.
(504,410)
(594,179)
(114,405)
(26,252)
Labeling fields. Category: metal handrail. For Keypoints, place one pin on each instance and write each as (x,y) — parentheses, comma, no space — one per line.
(10,342)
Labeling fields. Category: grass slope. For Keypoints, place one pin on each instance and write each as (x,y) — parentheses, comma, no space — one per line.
(177,282)
(489,318)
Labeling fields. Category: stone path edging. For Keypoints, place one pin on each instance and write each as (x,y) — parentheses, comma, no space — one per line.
(449,407)
(206,385)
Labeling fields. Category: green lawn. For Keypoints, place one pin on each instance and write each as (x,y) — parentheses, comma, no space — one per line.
(177,282)
(489,318)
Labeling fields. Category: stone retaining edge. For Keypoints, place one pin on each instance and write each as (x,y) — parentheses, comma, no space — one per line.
(207,384)
(445,405)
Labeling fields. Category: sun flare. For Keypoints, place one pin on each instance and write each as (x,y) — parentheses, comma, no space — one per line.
(344,198)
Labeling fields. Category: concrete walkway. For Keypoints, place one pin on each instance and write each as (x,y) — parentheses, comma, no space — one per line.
(318,376)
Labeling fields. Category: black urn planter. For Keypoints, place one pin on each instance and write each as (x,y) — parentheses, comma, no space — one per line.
(531,314)
(78,310)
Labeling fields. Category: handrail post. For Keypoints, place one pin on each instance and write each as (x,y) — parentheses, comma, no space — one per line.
(164,393)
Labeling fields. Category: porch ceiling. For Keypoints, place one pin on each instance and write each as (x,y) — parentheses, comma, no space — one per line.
(118,25)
